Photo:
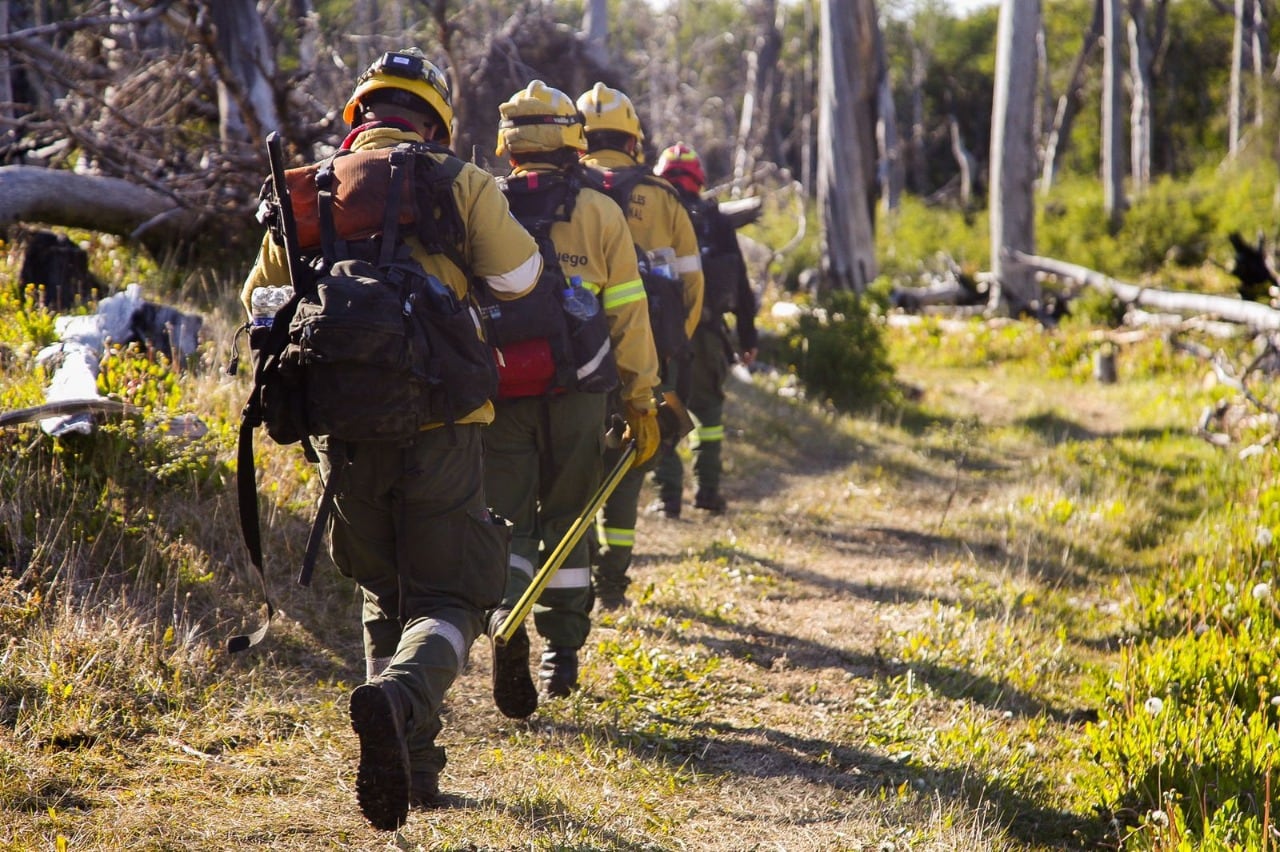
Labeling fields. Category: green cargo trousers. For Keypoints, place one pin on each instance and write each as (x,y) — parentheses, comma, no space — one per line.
(542,465)
(709,369)
(616,533)
(411,527)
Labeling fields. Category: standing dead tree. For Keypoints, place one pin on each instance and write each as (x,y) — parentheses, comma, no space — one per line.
(1012,190)
(846,142)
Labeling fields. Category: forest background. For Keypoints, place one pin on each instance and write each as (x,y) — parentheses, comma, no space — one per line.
(1073,641)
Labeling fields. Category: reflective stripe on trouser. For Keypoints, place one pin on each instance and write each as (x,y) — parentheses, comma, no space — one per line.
(374,666)
(709,368)
(542,464)
(616,532)
(409,526)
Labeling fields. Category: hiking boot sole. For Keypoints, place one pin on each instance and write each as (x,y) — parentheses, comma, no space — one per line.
(382,779)
(513,689)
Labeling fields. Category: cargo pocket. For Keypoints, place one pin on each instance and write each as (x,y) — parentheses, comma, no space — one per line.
(485,550)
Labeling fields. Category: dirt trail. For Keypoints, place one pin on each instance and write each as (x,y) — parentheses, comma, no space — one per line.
(831,541)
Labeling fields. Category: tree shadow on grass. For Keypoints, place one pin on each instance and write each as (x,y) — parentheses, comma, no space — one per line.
(734,754)
(763,648)
(861,543)
(792,438)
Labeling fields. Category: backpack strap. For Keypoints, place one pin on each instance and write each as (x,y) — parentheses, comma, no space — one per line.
(323,511)
(439,224)
(401,164)
(618,184)
(540,200)
(331,245)
(247,488)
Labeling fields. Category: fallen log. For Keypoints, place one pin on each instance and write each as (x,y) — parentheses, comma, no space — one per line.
(952,288)
(1253,314)
(93,202)
(1177,322)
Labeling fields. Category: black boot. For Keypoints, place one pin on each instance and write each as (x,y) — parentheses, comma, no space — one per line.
(559,671)
(611,598)
(665,507)
(379,716)
(513,690)
(709,500)
(424,788)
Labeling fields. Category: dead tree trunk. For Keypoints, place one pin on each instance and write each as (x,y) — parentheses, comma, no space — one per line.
(1235,97)
(1259,44)
(7,113)
(595,31)
(1069,102)
(965,162)
(308,36)
(246,66)
(846,142)
(1012,186)
(889,147)
(1112,128)
(916,171)
(1140,60)
(757,98)
(742,159)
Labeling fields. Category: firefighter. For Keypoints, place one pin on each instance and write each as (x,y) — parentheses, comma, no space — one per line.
(728,290)
(410,522)
(543,452)
(658,222)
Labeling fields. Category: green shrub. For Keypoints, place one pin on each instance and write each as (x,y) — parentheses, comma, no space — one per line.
(909,239)
(1172,227)
(838,352)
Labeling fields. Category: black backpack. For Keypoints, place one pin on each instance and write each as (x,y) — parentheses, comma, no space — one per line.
(664,294)
(580,349)
(722,268)
(371,347)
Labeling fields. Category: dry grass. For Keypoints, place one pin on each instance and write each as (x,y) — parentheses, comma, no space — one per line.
(867,652)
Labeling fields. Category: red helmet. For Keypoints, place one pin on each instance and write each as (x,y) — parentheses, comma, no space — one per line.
(680,165)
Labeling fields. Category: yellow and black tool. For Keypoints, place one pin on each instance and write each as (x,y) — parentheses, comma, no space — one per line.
(580,525)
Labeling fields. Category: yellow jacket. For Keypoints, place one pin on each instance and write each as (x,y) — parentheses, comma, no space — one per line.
(658,220)
(596,245)
(496,247)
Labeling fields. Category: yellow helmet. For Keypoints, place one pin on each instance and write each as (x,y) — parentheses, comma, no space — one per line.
(407,71)
(539,118)
(609,109)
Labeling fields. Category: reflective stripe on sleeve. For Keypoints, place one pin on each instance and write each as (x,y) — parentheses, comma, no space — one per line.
(623,294)
(519,279)
(570,578)
(687,263)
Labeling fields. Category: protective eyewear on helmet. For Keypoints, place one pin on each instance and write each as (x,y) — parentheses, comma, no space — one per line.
(525,120)
(409,67)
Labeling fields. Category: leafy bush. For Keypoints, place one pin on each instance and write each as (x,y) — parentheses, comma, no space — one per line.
(1171,223)
(909,237)
(838,352)
(1168,230)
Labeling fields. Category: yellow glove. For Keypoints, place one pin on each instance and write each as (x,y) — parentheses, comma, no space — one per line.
(642,427)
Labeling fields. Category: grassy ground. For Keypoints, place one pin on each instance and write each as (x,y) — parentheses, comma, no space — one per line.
(894,640)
